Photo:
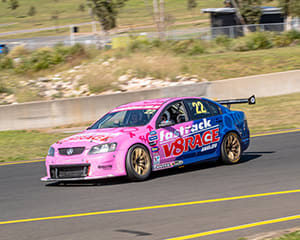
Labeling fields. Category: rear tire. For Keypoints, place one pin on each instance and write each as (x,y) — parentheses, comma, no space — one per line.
(138,163)
(231,148)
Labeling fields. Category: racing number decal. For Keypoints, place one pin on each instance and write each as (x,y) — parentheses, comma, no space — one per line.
(199,107)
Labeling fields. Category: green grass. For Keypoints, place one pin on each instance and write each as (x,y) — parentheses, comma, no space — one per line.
(271,113)
(238,64)
(289,236)
(25,145)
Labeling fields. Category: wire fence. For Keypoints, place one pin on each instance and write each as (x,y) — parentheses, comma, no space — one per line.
(206,33)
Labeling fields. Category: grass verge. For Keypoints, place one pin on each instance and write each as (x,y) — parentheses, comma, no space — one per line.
(270,113)
(25,145)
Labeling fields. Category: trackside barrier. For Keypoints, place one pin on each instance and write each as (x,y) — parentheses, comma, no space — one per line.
(84,109)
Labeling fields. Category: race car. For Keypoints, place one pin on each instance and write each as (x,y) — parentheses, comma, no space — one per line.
(137,138)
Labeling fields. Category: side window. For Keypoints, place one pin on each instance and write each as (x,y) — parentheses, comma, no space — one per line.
(214,109)
(174,113)
(200,108)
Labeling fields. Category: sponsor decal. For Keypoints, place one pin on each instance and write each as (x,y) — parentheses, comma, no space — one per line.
(177,163)
(153,138)
(153,143)
(130,131)
(154,149)
(209,147)
(183,131)
(162,166)
(152,107)
(89,137)
(181,145)
(152,133)
(156,160)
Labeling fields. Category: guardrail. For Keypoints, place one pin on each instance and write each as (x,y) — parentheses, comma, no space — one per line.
(77,110)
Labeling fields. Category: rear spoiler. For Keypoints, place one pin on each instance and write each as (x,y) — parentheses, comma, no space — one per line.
(250,100)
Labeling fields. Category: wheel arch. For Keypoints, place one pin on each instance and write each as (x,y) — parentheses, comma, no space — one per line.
(132,145)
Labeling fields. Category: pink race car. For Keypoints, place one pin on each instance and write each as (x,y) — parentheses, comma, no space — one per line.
(138,138)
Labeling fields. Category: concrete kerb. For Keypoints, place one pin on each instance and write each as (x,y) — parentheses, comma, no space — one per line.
(84,109)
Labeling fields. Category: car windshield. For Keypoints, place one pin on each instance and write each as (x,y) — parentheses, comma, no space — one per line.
(130,118)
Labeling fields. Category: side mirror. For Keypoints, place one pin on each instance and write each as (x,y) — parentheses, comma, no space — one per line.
(163,124)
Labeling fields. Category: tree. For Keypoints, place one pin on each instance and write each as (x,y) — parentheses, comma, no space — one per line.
(13,4)
(290,7)
(81,7)
(191,4)
(248,11)
(31,11)
(106,11)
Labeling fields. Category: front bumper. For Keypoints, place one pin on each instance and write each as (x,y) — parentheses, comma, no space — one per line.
(105,165)
(46,179)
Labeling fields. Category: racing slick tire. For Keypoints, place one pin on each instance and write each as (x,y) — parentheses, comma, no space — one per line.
(138,163)
(231,149)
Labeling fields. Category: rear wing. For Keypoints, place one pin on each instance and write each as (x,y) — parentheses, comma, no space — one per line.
(250,100)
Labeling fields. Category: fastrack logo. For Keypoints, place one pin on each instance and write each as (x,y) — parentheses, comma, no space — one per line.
(165,136)
(181,145)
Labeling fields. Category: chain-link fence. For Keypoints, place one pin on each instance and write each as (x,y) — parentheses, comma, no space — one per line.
(206,33)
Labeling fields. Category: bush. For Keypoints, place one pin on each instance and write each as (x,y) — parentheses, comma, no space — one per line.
(6,63)
(190,47)
(253,41)
(281,40)
(223,41)
(195,50)
(259,40)
(139,45)
(293,35)
(18,51)
(46,57)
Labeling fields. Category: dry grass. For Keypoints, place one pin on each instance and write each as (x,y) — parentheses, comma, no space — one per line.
(273,113)
(158,66)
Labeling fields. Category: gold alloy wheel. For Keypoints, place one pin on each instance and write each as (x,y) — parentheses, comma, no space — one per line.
(233,148)
(140,161)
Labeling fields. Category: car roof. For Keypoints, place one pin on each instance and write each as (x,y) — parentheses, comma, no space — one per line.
(147,104)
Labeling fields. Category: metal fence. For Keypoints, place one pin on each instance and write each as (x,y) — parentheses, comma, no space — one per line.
(206,33)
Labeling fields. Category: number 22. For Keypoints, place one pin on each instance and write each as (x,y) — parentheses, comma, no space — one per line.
(199,107)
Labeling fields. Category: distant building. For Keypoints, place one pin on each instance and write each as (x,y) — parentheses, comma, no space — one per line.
(222,18)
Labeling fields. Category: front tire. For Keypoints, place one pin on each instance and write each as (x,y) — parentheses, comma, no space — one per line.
(231,148)
(138,163)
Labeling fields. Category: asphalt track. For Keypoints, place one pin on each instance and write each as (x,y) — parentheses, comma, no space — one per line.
(211,201)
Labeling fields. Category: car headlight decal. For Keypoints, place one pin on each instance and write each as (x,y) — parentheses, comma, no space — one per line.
(103,148)
(51,152)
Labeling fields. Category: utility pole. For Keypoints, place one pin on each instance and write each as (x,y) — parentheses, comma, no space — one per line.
(159,16)
(156,15)
(162,18)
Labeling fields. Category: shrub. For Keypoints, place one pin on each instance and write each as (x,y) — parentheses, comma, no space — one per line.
(259,40)
(190,47)
(281,40)
(253,41)
(138,44)
(18,51)
(223,41)
(6,63)
(2,87)
(293,35)
(195,50)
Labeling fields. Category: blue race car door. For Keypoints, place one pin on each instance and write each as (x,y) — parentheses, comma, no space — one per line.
(207,124)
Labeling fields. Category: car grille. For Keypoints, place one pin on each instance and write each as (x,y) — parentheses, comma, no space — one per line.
(71,151)
(69,171)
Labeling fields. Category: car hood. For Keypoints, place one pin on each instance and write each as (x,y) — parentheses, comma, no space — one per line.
(93,137)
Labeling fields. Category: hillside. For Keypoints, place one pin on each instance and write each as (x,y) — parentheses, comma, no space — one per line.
(65,12)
